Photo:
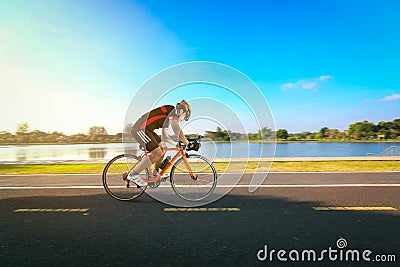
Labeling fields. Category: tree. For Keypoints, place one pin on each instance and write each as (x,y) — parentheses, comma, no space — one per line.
(209,135)
(7,137)
(37,136)
(218,135)
(332,134)
(266,133)
(97,130)
(55,137)
(98,134)
(78,138)
(323,132)
(22,132)
(362,130)
(396,124)
(282,134)
(253,136)
(117,137)
(22,128)
(389,129)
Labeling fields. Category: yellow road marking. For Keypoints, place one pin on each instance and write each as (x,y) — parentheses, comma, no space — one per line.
(199,209)
(356,208)
(51,210)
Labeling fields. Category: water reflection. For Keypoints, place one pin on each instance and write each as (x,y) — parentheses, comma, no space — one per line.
(211,150)
(97,153)
(20,155)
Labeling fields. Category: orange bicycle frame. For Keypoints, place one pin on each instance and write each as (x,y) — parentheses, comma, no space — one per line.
(180,152)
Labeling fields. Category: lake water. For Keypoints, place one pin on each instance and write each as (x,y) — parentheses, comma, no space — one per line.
(211,150)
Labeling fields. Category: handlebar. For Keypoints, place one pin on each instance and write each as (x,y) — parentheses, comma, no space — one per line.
(198,138)
(181,144)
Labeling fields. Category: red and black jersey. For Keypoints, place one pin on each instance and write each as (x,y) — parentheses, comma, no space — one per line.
(156,118)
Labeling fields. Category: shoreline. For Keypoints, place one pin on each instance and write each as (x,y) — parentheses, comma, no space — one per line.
(233,141)
(226,160)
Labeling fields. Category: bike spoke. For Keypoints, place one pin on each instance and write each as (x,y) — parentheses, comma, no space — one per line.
(113,181)
(193,189)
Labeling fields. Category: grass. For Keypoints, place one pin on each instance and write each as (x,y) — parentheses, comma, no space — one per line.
(292,166)
(51,168)
(338,166)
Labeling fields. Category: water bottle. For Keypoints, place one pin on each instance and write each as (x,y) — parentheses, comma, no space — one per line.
(165,162)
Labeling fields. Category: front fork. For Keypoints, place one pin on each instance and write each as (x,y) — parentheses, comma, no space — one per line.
(187,165)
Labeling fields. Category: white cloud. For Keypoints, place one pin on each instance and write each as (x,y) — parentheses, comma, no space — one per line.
(311,84)
(308,85)
(325,77)
(287,86)
(392,97)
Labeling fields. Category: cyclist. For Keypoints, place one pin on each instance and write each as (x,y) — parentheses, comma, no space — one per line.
(143,132)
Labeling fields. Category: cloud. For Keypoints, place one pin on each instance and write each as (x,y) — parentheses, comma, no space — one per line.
(389,98)
(308,85)
(299,84)
(311,84)
(287,86)
(325,77)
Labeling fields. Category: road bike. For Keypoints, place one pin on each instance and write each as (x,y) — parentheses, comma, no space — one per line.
(192,177)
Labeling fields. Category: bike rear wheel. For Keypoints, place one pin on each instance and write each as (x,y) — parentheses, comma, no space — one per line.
(114,178)
(193,188)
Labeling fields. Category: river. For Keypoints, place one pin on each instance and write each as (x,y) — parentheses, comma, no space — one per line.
(211,150)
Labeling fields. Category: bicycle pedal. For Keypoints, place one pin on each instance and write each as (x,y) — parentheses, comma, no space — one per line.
(154,185)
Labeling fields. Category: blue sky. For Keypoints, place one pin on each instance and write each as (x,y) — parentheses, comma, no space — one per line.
(69,65)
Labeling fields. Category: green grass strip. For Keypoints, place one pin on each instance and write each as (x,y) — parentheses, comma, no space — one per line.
(292,166)
(51,168)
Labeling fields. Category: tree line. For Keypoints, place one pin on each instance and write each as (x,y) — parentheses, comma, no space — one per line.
(23,135)
(358,131)
(226,135)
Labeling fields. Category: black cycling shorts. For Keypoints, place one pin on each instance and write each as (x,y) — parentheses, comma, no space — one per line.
(146,138)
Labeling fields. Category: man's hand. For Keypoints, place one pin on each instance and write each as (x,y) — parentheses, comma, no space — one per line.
(193,145)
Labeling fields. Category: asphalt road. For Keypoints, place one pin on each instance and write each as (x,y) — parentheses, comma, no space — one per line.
(59,225)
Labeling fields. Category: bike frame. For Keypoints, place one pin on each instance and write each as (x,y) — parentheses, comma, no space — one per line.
(180,152)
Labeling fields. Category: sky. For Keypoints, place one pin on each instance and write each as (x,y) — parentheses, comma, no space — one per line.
(68,65)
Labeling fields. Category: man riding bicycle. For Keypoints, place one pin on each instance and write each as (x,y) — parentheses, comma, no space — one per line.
(143,132)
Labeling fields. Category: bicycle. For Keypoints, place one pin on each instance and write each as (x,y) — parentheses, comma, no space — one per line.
(193,177)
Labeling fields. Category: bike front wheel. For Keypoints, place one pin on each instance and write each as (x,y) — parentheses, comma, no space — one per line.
(114,178)
(194,188)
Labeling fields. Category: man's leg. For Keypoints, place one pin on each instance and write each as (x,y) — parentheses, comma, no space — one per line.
(147,139)
(154,156)
(163,148)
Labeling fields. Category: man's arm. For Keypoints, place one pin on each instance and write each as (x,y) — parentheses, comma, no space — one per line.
(166,137)
(178,132)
